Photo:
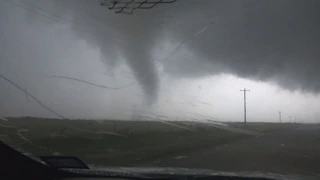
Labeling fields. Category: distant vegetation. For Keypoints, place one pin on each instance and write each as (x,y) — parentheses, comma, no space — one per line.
(115,143)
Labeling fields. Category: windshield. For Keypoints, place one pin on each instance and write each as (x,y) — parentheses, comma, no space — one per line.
(213,84)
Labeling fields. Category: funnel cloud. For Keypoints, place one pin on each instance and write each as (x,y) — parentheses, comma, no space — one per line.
(275,41)
(166,52)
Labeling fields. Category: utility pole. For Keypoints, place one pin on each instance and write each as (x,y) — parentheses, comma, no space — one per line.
(280,116)
(245,105)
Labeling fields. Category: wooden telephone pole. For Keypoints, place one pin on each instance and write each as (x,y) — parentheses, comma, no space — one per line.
(245,105)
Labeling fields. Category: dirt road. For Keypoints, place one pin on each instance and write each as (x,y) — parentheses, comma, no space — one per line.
(290,151)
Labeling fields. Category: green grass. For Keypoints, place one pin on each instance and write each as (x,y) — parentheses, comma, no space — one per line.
(144,141)
(263,127)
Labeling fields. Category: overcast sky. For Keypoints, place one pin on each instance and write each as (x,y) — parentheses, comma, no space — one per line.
(178,60)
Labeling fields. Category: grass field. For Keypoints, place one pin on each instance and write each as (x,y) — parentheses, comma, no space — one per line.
(117,143)
(264,127)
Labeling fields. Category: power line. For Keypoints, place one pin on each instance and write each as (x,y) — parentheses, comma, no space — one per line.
(245,105)
(158,64)
(25,8)
(164,60)
(58,21)
(60,17)
(52,111)
(33,97)
(93,84)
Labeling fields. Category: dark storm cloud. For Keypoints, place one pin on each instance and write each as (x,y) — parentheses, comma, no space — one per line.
(119,38)
(263,40)
(116,37)
(276,41)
